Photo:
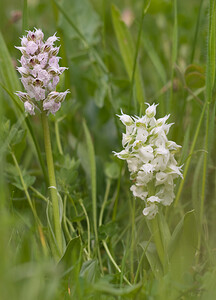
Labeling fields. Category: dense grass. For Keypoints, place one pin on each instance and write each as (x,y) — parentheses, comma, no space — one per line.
(167,56)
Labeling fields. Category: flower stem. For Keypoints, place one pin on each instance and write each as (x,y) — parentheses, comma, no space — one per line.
(155,231)
(52,181)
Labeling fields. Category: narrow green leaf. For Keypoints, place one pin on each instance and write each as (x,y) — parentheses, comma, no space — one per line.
(174,54)
(210,79)
(194,43)
(89,270)
(126,45)
(7,70)
(71,256)
(155,59)
(187,164)
(91,157)
(183,245)
(107,288)
(164,229)
(153,258)
(211,59)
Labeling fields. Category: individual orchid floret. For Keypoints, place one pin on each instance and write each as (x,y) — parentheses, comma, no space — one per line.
(29,108)
(53,102)
(40,72)
(151,110)
(150,159)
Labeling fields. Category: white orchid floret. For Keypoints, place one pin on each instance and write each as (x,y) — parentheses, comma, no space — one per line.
(133,164)
(124,154)
(147,168)
(150,211)
(141,134)
(153,199)
(139,191)
(172,145)
(143,178)
(175,170)
(40,70)
(162,121)
(125,119)
(160,129)
(166,194)
(145,154)
(150,158)
(151,110)
(126,139)
(163,178)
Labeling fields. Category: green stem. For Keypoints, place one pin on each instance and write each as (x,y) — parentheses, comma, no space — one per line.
(174,53)
(155,231)
(52,181)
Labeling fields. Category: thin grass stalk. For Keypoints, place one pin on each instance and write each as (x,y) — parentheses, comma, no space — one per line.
(137,50)
(187,164)
(174,53)
(132,239)
(25,188)
(88,228)
(93,189)
(34,212)
(194,44)
(210,77)
(141,260)
(64,220)
(113,261)
(104,201)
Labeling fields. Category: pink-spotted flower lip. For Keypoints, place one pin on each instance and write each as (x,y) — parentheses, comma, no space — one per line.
(40,71)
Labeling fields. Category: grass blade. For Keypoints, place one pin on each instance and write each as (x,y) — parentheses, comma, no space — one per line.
(7,70)
(91,156)
(210,78)
(127,50)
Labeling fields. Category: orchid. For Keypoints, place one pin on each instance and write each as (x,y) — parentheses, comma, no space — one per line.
(150,158)
(40,73)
